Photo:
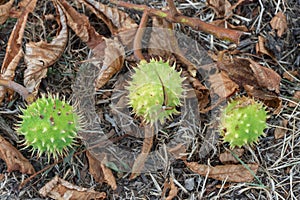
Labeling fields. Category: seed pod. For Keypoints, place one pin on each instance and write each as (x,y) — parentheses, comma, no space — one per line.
(243,122)
(49,125)
(155,90)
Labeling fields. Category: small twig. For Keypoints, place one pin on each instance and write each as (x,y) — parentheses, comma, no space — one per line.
(194,23)
(137,44)
(29,98)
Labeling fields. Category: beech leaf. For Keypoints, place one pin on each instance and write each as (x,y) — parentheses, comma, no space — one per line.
(14,160)
(4,11)
(13,50)
(40,55)
(59,189)
(230,173)
(99,171)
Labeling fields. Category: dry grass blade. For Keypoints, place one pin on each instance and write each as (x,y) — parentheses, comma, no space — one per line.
(14,160)
(4,11)
(14,51)
(58,188)
(40,55)
(230,173)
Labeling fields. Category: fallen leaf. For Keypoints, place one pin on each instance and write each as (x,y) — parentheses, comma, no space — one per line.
(173,190)
(270,99)
(227,157)
(14,51)
(279,23)
(296,99)
(261,49)
(14,160)
(230,173)
(221,7)
(266,78)
(178,151)
(247,72)
(118,22)
(60,189)
(222,85)
(281,131)
(202,93)
(40,55)
(290,75)
(114,55)
(99,171)
(139,162)
(80,24)
(4,11)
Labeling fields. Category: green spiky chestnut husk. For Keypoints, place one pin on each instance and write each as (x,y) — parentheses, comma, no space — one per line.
(49,125)
(243,122)
(154,84)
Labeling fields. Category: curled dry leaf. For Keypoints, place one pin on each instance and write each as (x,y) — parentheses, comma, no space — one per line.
(80,24)
(281,131)
(99,171)
(247,72)
(221,7)
(4,11)
(40,55)
(173,190)
(279,23)
(14,51)
(270,99)
(261,49)
(222,85)
(114,55)
(59,189)
(14,160)
(296,99)
(138,164)
(227,157)
(118,22)
(230,173)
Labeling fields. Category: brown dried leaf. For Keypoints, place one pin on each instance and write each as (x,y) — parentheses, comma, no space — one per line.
(177,151)
(14,51)
(227,157)
(114,55)
(296,99)
(222,85)
(173,190)
(202,93)
(290,75)
(266,78)
(281,131)
(40,55)
(221,7)
(138,164)
(80,24)
(269,98)
(14,160)
(118,22)
(4,11)
(261,49)
(279,23)
(247,72)
(60,189)
(99,171)
(230,173)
